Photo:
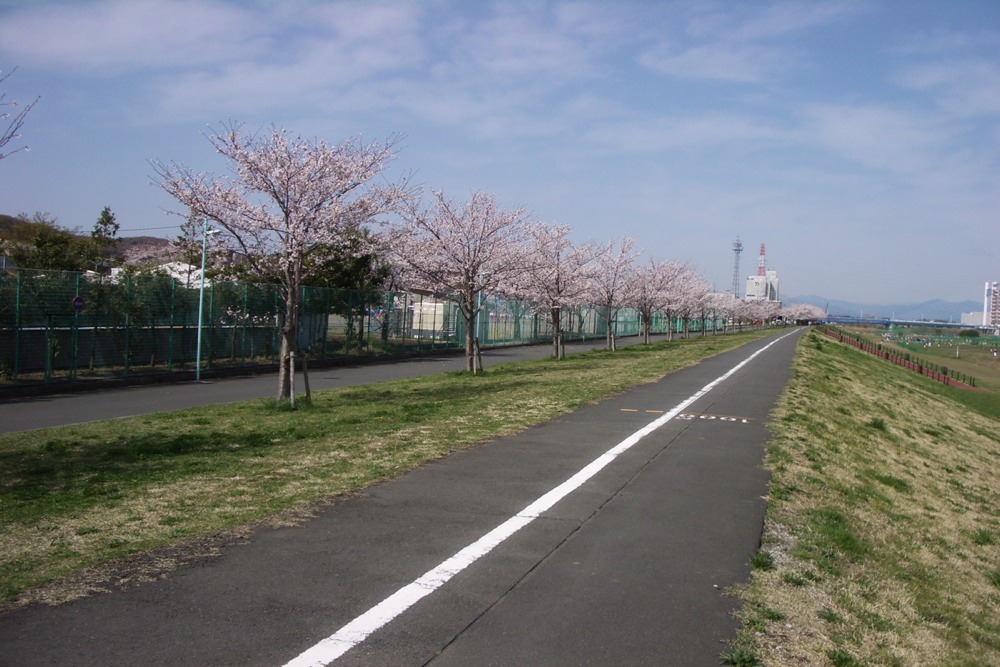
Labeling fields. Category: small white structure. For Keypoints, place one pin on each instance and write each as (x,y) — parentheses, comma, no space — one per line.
(186,274)
(972,319)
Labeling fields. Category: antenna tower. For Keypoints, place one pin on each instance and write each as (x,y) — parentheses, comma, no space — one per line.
(737,249)
(760,262)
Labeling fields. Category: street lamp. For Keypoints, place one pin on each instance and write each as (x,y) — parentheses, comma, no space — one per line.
(205,231)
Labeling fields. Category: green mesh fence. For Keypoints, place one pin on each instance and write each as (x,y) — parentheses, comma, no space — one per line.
(61,326)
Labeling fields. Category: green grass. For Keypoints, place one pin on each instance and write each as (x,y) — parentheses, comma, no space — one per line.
(91,497)
(883,509)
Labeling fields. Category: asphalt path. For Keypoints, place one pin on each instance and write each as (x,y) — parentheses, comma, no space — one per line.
(629,567)
(77,407)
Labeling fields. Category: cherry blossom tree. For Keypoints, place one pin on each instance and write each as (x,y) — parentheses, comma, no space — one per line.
(287,200)
(557,275)
(693,290)
(609,286)
(758,313)
(651,289)
(462,250)
(745,313)
(145,255)
(675,298)
(14,120)
(724,305)
(766,312)
(803,312)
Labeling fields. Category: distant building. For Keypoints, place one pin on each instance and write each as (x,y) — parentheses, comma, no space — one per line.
(991,305)
(763,288)
(187,275)
(972,319)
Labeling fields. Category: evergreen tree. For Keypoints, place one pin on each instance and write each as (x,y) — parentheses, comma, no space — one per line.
(104,237)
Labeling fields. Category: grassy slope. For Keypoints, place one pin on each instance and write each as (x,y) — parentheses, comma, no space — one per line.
(882,543)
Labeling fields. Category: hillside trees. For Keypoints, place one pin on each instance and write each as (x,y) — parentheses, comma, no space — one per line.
(461,250)
(288,200)
(38,242)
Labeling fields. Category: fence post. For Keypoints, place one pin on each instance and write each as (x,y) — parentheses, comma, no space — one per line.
(128,320)
(170,326)
(17,325)
(48,348)
(75,336)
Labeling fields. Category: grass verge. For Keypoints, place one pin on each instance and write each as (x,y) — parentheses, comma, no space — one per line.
(103,504)
(883,525)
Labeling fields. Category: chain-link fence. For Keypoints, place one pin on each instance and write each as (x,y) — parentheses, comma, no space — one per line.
(62,327)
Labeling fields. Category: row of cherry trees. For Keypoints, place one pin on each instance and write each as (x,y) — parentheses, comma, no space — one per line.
(289,203)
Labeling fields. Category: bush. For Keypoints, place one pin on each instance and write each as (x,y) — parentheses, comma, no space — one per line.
(969,333)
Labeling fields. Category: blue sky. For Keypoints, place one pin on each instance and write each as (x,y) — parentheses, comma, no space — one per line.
(859,140)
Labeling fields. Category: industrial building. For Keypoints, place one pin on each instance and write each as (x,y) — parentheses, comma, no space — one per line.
(764,285)
(991,305)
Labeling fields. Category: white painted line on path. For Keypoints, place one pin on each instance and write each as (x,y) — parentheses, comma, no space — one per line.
(355,632)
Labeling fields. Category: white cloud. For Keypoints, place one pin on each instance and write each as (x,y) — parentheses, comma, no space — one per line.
(964,88)
(511,41)
(130,34)
(720,61)
(877,137)
(662,134)
(785,18)
(741,44)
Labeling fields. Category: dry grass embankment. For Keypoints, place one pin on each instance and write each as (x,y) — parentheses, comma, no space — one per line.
(882,540)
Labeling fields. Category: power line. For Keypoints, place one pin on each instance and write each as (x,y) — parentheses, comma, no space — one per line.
(149,229)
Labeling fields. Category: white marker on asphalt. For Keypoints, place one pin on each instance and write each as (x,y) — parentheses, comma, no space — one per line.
(355,632)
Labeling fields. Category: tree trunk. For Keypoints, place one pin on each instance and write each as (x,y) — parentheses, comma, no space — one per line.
(289,343)
(556,332)
(469,312)
(608,318)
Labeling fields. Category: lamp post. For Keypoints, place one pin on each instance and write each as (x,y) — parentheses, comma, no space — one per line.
(205,231)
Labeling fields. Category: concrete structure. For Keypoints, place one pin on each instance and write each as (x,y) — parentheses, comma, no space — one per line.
(972,319)
(991,305)
(764,285)
(763,288)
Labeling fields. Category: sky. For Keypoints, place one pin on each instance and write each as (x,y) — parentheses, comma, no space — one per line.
(858,140)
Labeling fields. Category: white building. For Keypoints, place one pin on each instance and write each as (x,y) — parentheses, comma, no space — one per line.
(991,305)
(763,288)
(972,319)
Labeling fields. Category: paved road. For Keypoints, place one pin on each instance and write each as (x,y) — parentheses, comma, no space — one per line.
(63,409)
(629,567)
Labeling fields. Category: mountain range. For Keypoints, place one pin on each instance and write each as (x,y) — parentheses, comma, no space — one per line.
(935,309)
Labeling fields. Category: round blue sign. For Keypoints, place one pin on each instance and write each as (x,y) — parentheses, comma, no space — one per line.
(78,303)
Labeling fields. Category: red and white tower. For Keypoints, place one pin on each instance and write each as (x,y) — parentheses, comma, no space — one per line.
(764,285)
